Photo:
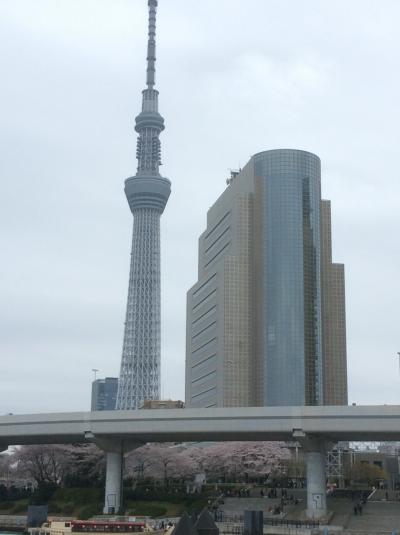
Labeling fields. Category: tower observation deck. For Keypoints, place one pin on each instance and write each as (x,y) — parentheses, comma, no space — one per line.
(147,193)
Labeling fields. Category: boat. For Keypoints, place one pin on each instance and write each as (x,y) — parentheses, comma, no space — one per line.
(105,527)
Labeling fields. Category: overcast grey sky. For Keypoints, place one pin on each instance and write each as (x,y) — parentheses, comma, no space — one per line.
(235,77)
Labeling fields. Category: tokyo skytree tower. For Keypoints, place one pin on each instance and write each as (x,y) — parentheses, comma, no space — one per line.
(147,193)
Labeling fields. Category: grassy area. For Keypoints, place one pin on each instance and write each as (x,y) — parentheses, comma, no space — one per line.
(19,507)
(154,509)
(81,503)
(87,502)
(81,496)
(158,508)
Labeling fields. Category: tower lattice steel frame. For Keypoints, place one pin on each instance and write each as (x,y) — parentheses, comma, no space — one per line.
(147,193)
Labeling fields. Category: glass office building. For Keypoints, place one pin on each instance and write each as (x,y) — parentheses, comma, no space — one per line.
(266,319)
(289,183)
(104,394)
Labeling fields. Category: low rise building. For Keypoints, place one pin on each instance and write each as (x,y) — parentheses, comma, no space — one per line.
(162,404)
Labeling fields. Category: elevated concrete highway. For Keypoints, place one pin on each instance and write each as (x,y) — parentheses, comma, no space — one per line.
(381,422)
(119,431)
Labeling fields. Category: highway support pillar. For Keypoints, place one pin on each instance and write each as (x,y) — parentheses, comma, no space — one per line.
(113,491)
(316,478)
(114,450)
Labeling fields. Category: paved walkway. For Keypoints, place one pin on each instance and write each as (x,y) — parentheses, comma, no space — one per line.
(377,516)
(236,506)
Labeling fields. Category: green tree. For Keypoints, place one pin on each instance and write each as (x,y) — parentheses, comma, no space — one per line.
(364,472)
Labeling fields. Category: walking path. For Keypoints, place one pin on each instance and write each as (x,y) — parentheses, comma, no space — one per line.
(236,506)
(379,515)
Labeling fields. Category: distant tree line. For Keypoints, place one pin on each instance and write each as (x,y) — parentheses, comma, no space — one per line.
(83,465)
(156,466)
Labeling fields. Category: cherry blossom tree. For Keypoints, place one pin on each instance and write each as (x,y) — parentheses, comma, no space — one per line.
(86,465)
(44,464)
(242,460)
(161,462)
(219,460)
(138,462)
(74,465)
(83,464)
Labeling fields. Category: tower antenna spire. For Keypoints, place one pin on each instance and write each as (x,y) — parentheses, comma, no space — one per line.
(151,45)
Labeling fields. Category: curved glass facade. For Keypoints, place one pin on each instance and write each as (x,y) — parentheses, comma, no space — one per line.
(290,293)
